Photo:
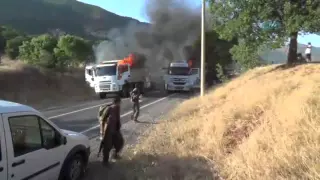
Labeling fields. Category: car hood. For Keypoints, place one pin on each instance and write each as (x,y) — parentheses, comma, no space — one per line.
(74,138)
(70,133)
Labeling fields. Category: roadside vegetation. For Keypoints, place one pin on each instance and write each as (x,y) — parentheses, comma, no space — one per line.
(44,70)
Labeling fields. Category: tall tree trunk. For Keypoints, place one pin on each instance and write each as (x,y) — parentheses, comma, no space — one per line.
(293,46)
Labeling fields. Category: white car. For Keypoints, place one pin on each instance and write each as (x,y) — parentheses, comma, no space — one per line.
(32,147)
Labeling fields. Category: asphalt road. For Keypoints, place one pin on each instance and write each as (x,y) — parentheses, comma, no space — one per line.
(83,117)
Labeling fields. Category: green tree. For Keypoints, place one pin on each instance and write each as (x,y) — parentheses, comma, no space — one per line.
(76,48)
(34,50)
(217,52)
(12,46)
(2,44)
(9,33)
(262,22)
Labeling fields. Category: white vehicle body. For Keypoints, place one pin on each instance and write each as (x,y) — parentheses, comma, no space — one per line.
(109,77)
(195,77)
(32,147)
(178,77)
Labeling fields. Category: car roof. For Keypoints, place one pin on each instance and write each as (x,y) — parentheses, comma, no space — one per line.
(12,107)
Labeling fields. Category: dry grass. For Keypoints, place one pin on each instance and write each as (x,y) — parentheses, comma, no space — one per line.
(264,125)
(41,88)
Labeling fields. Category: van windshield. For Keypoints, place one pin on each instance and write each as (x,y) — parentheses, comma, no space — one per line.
(106,70)
(182,71)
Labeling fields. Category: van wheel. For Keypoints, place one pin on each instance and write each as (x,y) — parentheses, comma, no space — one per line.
(75,168)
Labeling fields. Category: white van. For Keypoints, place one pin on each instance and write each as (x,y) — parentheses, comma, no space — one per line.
(32,147)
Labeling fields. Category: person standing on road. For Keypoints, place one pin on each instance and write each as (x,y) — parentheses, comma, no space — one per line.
(102,119)
(135,99)
(308,52)
(112,134)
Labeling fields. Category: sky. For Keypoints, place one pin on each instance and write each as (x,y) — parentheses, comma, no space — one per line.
(135,9)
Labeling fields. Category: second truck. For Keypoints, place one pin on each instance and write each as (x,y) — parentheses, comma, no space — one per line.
(181,76)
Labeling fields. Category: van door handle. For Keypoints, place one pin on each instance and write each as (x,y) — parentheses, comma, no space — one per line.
(1,169)
(18,163)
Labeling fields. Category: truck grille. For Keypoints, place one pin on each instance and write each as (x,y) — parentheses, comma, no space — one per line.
(105,86)
(179,83)
(105,82)
(179,80)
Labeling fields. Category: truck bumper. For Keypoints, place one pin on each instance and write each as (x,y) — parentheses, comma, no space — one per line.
(178,88)
(107,89)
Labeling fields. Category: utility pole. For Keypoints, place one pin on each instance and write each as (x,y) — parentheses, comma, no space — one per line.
(203,45)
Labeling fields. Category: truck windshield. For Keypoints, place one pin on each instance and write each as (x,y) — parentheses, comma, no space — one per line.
(182,71)
(106,70)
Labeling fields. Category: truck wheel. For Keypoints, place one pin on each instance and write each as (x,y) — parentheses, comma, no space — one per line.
(75,168)
(102,95)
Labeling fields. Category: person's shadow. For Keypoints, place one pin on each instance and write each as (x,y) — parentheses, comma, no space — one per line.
(142,167)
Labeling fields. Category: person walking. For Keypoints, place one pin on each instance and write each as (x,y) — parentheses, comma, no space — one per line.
(135,99)
(112,137)
(308,52)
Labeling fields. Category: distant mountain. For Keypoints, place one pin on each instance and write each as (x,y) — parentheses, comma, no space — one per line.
(68,16)
(280,55)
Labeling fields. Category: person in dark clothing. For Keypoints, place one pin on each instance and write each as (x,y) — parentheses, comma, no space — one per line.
(135,99)
(112,135)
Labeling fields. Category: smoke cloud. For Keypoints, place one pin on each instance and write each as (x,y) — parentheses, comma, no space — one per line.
(174,24)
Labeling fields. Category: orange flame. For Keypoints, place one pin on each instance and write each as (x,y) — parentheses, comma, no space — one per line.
(127,60)
(190,63)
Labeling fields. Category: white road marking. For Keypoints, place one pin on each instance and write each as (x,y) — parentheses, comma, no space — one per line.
(127,113)
(79,110)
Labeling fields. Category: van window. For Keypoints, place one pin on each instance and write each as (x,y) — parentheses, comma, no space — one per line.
(50,136)
(25,133)
(31,133)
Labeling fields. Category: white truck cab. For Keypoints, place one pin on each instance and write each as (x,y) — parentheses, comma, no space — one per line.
(32,147)
(110,77)
(178,77)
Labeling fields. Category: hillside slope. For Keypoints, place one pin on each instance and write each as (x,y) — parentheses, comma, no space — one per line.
(70,16)
(262,125)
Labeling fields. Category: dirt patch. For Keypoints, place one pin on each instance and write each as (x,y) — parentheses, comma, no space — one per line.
(41,88)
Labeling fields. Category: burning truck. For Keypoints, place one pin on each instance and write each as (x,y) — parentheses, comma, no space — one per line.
(118,76)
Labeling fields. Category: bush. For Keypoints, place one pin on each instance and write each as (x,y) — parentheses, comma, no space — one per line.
(12,46)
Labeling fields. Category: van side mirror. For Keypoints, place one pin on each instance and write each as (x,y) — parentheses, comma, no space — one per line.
(64,140)
(92,78)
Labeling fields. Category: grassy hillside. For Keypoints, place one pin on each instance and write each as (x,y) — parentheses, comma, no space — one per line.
(280,55)
(262,125)
(70,16)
